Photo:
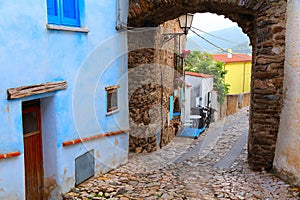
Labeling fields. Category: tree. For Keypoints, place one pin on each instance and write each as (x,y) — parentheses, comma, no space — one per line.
(204,63)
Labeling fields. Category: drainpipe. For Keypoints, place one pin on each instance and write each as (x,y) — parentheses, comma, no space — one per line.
(244,77)
(120,25)
(161,104)
(225,70)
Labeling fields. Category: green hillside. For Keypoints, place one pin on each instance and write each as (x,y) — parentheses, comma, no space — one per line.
(230,38)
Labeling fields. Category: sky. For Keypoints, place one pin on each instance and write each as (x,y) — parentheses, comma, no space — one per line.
(211,22)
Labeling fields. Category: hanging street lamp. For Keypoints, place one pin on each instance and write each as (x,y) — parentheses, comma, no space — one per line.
(185,23)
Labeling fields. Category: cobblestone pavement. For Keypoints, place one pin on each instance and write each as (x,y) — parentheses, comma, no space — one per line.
(214,166)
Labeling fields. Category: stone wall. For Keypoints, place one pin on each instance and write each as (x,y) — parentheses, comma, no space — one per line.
(267,85)
(245,100)
(232,104)
(151,83)
(237,101)
(264,23)
(221,110)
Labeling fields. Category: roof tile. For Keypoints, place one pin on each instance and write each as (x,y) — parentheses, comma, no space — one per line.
(198,74)
(236,57)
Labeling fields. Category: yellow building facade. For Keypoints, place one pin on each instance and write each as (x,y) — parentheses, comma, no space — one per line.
(238,67)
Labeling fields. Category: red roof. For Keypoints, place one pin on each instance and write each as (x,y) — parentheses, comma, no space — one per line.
(237,57)
(198,74)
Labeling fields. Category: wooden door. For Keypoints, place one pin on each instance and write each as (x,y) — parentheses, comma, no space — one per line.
(34,173)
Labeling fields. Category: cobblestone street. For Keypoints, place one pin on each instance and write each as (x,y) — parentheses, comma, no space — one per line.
(214,166)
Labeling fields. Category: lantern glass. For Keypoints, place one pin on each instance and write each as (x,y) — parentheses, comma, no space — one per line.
(185,22)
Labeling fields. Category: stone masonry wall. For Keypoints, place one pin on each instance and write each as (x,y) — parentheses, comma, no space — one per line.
(267,85)
(167,58)
(232,104)
(245,100)
(264,23)
(151,83)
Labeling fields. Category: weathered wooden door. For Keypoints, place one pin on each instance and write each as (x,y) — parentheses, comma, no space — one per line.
(34,173)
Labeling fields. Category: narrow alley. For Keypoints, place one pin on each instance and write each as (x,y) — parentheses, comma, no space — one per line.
(214,166)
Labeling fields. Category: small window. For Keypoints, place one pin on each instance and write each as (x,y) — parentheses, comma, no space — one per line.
(29,122)
(112,99)
(63,12)
(31,117)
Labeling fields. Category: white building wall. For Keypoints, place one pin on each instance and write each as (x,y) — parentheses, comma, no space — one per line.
(187,103)
(206,85)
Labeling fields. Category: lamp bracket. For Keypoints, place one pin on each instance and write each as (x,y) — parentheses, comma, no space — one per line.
(169,36)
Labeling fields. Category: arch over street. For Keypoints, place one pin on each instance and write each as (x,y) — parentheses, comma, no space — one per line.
(264,23)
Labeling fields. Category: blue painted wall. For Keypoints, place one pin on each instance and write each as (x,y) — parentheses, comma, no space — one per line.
(89,62)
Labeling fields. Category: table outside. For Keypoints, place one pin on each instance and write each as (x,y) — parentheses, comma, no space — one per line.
(195,119)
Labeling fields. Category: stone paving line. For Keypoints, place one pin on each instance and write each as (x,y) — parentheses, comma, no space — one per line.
(234,152)
(186,170)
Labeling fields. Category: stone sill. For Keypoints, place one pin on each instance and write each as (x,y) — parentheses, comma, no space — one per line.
(67,28)
(112,112)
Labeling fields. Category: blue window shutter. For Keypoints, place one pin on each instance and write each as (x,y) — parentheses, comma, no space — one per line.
(171,107)
(53,12)
(70,13)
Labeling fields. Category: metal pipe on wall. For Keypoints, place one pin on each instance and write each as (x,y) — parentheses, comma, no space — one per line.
(119,24)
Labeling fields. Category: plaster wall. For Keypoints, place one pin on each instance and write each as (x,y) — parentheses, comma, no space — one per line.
(206,85)
(190,98)
(238,77)
(111,154)
(32,54)
(187,103)
(286,161)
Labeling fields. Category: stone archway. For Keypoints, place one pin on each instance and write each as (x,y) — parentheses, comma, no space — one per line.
(264,23)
